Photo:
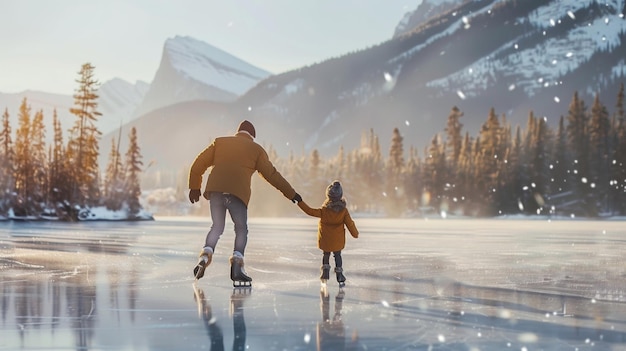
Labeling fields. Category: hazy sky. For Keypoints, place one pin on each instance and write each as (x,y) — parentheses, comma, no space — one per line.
(43,43)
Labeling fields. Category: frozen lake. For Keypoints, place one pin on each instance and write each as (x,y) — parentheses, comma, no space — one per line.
(412,285)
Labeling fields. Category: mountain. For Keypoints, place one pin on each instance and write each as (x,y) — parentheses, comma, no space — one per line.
(425,11)
(514,56)
(194,70)
(117,101)
(172,136)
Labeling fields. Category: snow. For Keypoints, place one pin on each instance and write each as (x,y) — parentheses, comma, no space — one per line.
(540,66)
(412,284)
(98,213)
(205,63)
(101,213)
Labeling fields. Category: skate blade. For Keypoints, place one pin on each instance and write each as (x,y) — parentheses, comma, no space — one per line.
(342,284)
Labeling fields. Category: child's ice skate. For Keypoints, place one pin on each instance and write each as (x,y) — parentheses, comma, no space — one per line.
(341,279)
(325,274)
(206,256)
(237,273)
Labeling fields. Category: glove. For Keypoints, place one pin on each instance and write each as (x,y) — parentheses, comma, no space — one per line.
(194,195)
(296,198)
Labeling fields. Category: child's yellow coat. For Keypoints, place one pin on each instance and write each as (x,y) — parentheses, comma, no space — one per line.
(331,234)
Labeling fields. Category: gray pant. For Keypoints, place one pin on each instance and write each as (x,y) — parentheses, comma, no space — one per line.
(219,204)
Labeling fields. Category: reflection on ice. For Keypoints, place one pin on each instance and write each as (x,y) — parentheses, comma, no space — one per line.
(211,324)
(437,284)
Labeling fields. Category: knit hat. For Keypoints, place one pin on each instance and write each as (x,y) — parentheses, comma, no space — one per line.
(245,125)
(334,191)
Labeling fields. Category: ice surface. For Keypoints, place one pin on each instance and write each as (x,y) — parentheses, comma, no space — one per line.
(412,285)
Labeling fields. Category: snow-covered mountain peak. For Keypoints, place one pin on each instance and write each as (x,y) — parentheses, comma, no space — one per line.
(191,70)
(207,64)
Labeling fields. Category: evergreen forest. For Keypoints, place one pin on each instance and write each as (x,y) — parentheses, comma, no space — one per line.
(576,169)
(63,180)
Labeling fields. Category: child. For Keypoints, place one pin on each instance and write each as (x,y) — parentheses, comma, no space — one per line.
(331,235)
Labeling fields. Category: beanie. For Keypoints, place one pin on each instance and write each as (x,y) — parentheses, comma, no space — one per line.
(334,191)
(245,125)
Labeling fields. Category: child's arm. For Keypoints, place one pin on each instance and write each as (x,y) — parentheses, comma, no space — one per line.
(350,225)
(314,212)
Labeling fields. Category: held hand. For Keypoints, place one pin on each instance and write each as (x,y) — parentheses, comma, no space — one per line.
(296,198)
(194,195)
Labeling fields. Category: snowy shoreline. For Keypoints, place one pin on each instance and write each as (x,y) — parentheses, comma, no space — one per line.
(99,213)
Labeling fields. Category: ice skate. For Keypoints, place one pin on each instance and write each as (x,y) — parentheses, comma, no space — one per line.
(325,274)
(341,279)
(206,255)
(237,273)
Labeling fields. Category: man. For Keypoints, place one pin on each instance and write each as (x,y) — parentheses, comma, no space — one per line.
(234,160)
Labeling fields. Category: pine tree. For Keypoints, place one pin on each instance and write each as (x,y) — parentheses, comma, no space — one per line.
(360,170)
(618,159)
(60,182)
(340,165)
(487,164)
(24,169)
(133,170)
(516,174)
(83,141)
(373,169)
(539,159)
(466,188)
(396,152)
(505,196)
(434,174)
(316,182)
(394,178)
(599,145)
(578,143)
(560,180)
(113,179)
(454,137)
(535,158)
(6,164)
(413,180)
(39,159)
(454,143)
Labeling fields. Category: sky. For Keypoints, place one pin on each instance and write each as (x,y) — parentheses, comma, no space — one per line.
(43,43)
